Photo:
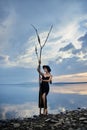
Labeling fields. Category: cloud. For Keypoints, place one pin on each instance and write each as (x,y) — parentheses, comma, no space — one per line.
(73,54)
(4,58)
(5,61)
(68,47)
(78,77)
(69,65)
(6,30)
(83,39)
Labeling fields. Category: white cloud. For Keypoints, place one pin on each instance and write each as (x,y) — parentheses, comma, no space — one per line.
(81,56)
(6,30)
(5,61)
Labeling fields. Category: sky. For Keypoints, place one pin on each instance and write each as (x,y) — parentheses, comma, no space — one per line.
(65,51)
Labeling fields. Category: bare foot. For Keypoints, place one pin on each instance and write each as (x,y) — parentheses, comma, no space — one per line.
(45,112)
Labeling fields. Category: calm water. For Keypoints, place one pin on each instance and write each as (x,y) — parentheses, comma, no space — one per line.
(18,101)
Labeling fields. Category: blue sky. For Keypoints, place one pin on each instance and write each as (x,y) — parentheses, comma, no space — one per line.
(65,51)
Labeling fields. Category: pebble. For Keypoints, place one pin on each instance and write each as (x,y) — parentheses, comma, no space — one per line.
(85,122)
(16,125)
(78,129)
(70,128)
(82,118)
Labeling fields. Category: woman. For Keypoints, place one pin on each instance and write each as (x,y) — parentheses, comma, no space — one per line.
(46,78)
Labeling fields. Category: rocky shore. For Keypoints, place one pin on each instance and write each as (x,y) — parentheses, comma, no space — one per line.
(69,120)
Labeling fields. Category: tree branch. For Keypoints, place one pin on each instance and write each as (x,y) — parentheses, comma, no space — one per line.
(47,36)
(39,41)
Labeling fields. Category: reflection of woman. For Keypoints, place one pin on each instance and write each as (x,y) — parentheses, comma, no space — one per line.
(46,78)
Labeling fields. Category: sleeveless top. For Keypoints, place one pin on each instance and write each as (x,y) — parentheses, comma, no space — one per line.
(44,83)
(45,78)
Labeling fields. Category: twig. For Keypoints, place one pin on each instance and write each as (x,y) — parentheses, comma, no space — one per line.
(47,35)
(39,41)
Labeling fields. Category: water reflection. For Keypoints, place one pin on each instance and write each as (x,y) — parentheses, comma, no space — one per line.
(80,89)
(18,110)
(19,101)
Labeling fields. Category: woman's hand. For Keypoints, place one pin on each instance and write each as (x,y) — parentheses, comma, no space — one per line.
(39,61)
(41,79)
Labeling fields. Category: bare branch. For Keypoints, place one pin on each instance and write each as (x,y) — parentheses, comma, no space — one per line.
(41,46)
(47,36)
(36,52)
(39,41)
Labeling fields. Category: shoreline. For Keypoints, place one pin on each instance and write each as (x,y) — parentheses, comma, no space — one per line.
(69,120)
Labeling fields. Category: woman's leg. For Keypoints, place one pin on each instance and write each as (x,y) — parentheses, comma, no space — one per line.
(40,111)
(45,103)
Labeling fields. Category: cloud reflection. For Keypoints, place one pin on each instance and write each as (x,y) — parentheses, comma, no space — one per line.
(9,111)
(70,89)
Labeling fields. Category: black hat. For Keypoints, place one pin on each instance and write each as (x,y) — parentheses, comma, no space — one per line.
(48,68)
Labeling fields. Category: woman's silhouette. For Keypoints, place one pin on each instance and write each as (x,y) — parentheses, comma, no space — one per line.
(45,79)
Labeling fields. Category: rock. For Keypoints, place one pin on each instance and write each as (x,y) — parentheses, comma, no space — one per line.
(47,120)
(51,120)
(85,114)
(83,128)
(38,126)
(78,108)
(70,129)
(58,124)
(16,125)
(85,122)
(78,129)
(61,120)
(68,122)
(82,118)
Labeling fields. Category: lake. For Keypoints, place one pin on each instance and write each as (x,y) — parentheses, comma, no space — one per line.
(21,100)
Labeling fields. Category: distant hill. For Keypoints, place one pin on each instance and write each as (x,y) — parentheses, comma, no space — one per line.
(70,83)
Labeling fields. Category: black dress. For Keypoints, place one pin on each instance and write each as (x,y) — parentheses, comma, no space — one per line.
(44,88)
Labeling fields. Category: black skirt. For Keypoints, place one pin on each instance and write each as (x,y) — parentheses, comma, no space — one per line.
(44,88)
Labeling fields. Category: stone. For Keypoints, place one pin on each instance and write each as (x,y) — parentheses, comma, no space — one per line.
(78,129)
(47,120)
(70,129)
(82,118)
(57,124)
(53,121)
(85,122)
(16,125)
(83,128)
(61,120)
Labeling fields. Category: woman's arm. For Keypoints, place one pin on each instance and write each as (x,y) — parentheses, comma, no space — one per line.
(49,80)
(46,80)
